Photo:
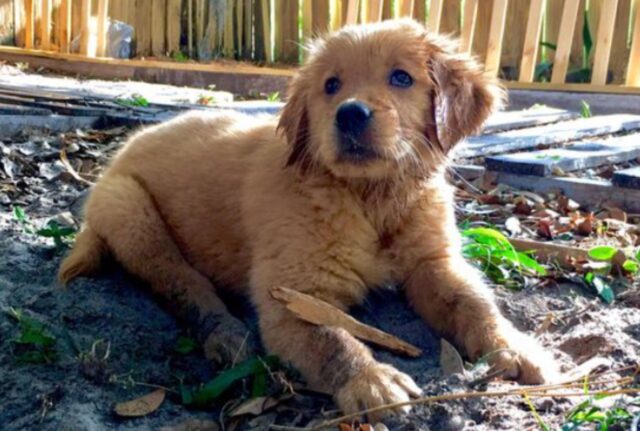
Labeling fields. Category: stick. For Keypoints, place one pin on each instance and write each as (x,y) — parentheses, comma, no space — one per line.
(318,312)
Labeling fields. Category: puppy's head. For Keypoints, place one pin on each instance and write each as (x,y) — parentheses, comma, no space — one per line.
(379,100)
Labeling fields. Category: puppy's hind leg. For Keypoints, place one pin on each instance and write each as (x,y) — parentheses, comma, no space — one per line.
(124,215)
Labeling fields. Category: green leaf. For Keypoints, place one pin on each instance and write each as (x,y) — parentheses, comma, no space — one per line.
(587,40)
(487,236)
(602,253)
(19,214)
(631,266)
(585,110)
(638,255)
(259,387)
(210,391)
(185,345)
(549,45)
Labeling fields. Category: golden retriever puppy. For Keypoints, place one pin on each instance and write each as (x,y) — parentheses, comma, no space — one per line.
(345,191)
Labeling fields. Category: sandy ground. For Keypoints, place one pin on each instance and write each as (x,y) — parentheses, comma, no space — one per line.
(78,390)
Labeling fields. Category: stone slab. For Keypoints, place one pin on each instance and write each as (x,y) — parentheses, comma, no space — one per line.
(627,178)
(509,120)
(551,134)
(573,157)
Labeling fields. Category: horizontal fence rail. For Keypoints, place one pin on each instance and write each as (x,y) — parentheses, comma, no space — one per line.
(590,43)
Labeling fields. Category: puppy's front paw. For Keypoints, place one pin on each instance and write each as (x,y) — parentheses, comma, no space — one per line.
(374,386)
(230,342)
(522,358)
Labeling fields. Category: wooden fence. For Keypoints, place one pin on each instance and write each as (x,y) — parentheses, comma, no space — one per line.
(593,42)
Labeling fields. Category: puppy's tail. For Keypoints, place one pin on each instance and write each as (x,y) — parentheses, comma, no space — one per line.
(85,257)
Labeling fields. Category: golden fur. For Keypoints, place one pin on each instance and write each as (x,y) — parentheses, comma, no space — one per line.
(227,197)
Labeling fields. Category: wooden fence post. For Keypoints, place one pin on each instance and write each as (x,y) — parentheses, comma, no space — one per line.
(45,24)
(633,71)
(468,25)
(496,36)
(531,41)
(603,42)
(85,17)
(435,15)
(565,40)
(102,28)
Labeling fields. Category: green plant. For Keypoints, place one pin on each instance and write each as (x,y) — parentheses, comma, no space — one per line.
(61,235)
(542,71)
(592,411)
(180,56)
(185,345)
(210,391)
(585,110)
(601,277)
(273,97)
(134,100)
(495,255)
(35,343)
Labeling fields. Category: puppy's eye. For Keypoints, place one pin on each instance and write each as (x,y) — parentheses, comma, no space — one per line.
(400,78)
(332,85)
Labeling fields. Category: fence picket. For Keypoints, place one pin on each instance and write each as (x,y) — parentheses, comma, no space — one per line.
(565,40)
(633,70)
(496,36)
(532,41)
(603,42)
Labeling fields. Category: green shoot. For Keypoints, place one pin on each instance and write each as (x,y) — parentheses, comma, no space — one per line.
(35,344)
(585,110)
(274,97)
(134,100)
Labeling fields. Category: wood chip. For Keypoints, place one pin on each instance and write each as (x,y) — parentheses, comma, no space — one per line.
(141,406)
(318,312)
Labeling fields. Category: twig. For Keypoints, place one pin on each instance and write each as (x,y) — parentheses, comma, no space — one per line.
(318,312)
(67,164)
(464,395)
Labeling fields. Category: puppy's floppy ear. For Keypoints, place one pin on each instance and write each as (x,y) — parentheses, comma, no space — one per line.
(462,98)
(294,122)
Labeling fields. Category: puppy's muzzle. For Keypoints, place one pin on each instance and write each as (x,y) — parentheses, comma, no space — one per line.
(352,121)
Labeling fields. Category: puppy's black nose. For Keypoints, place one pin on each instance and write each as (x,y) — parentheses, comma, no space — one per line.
(353,117)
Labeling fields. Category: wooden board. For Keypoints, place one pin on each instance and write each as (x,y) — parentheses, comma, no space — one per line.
(28,24)
(173,26)
(578,156)
(531,41)
(102,27)
(633,71)
(64,25)
(158,28)
(551,134)
(468,25)
(565,40)
(603,42)
(496,37)
(143,27)
(435,15)
(45,25)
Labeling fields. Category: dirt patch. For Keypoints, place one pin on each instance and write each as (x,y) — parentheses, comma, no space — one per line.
(79,388)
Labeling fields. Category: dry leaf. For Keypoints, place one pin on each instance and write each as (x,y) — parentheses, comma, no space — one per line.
(141,406)
(255,406)
(450,360)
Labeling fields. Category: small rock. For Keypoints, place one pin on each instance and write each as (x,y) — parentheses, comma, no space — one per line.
(456,423)
(380,427)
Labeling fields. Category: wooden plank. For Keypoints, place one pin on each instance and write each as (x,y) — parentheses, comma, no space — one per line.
(266,29)
(420,11)
(143,27)
(517,140)
(319,16)
(174,26)
(496,36)
(158,28)
(10,109)
(351,16)
(531,41)
(102,27)
(513,43)
(509,120)
(287,33)
(248,30)
(571,87)
(480,40)
(468,25)
(603,42)
(85,29)
(64,25)
(573,157)
(200,20)
(587,192)
(551,27)
(435,15)
(28,24)
(190,27)
(627,178)
(374,11)
(633,70)
(451,15)
(307,21)
(45,24)
(565,40)
(228,41)
(389,10)
(620,48)
(405,7)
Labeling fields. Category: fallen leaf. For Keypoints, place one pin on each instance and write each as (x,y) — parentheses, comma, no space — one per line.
(450,360)
(254,406)
(141,406)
